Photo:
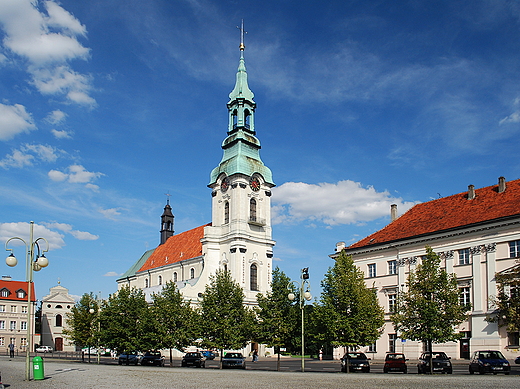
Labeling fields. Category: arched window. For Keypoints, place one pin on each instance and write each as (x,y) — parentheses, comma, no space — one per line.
(175,276)
(59,321)
(146,282)
(252,210)
(159,279)
(226,212)
(247,115)
(235,118)
(192,273)
(253,277)
(58,306)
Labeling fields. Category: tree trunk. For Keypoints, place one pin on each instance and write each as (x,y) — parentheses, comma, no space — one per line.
(278,361)
(431,355)
(221,355)
(171,358)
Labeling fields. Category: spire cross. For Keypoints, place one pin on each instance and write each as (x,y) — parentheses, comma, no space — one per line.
(168,195)
(242,32)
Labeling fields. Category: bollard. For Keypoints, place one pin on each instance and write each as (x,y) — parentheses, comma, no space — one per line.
(38,373)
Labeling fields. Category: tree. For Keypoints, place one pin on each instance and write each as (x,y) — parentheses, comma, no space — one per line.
(227,323)
(349,314)
(430,309)
(126,323)
(81,328)
(507,301)
(175,320)
(277,316)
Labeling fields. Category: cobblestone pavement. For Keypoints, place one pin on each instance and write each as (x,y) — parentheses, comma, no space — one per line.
(60,374)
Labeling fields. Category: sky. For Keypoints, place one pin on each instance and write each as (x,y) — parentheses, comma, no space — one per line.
(107,106)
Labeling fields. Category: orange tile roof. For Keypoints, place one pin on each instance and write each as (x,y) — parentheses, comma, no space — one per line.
(449,213)
(177,248)
(13,287)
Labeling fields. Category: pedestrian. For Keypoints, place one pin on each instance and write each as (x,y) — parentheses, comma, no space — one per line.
(255,355)
(11,350)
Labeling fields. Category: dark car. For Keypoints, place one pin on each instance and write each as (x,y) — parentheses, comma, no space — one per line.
(195,359)
(129,358)
(152,358)
(488,361)
(517,360)
(210,355)
(234,360)
(395,362)
(441,363)
(355,362)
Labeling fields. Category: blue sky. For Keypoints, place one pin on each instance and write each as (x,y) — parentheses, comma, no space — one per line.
(108,105)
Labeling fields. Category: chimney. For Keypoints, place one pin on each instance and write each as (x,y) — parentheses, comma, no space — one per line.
(501,184)
(471,192)
(340,246)
(6,278)
(393,212)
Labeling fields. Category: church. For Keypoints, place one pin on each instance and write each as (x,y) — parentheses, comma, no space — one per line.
(239,237)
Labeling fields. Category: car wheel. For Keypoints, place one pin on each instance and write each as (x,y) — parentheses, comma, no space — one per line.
(405,371)
(471,371)
(385,371)
(481,371)
(119,362)
(506,373)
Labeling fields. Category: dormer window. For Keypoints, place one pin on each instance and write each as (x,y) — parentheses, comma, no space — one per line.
(4,292)
(20,294)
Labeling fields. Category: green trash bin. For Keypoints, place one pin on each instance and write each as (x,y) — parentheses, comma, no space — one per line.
(38,372)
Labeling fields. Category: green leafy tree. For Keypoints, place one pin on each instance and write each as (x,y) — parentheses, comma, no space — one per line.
(176,322)
(126,322)
(430,309)
(507,301)
(349,314)
(277,316)
(227,322)
(81,328)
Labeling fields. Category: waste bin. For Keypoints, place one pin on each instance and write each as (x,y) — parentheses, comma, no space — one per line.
(38,372)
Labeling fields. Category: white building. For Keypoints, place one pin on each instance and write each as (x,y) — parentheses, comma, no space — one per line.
(476,233)
(239,236)
(55,308)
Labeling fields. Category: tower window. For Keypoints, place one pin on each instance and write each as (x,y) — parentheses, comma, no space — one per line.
(159,279)
(175,276)
(226,212)
(146,282)
(192,273)
(247,116)
(252,210)
(59,320)
(253,275)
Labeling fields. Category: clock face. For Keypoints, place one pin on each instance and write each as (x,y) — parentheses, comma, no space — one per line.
(254,183)
(224,185)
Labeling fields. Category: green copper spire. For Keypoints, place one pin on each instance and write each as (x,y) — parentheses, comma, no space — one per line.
(241,147)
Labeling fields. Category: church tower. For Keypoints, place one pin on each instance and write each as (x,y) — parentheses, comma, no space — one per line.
(167,223)
(241,184)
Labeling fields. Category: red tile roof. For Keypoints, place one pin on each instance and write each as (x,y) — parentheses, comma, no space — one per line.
(13,287)
(177,248)
(449,213)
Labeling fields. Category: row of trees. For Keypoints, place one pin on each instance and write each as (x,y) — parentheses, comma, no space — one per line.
(347,314)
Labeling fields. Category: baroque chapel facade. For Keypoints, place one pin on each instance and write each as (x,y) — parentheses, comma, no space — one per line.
(239,237)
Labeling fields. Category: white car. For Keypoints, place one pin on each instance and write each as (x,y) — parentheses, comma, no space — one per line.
(44,349)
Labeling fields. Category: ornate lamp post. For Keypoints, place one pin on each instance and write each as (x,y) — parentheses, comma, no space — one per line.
(92,311)
(32,263)
(305,295)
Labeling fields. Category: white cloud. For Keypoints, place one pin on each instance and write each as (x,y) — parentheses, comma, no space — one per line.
(29,153)
(345,202)
(112,274)
(14,119)
(17,159)
(110,213)
(22,230)
(80,235)
(76,175)
(56,175)
(56,117)
(61,134)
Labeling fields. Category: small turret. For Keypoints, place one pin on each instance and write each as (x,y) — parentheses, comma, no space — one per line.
(167,222)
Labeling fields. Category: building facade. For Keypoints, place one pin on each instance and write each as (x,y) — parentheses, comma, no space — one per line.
(14,314)
(55,308)
(476,233)
(239,236)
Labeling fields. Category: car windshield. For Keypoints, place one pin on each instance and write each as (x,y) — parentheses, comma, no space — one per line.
(233,355)
(395,357)
(153,353)
(491,355)
(192,355)
(436,356)
(356,356)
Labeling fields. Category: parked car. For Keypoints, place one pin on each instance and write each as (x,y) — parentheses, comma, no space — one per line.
(209,354)
(129,358)
(234,360)
(441,363)
(356,362)
(193,359)
(517,360)
(152,358)
(489,361)
(44,349)
(395,362)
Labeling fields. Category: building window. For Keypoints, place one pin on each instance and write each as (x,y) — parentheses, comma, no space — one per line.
(372,348)
(392,339)
(59,321)
(226,212)
(2,308)
(12,326)
(392,267)
(21,294)
(392,302)
(464,295)
(464,257)
(5,293)
(2,324)
(174,276)
(13,308)
(24,309)
(146,282)
(159,279)
(23,342)
(23,325)
(513,339)
(2,341)
(514,249)
(192,273)
(252,210)
(58,307)
(372,270)
(253,277)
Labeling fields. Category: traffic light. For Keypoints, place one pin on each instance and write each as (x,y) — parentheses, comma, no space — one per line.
(305,273)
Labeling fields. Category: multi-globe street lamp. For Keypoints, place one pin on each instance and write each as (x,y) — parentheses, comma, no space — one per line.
(305,295)
(92,311)
(32,263)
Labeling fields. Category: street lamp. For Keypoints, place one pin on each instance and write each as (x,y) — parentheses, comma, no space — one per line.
(92,311)
(32,263)
(305,295)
